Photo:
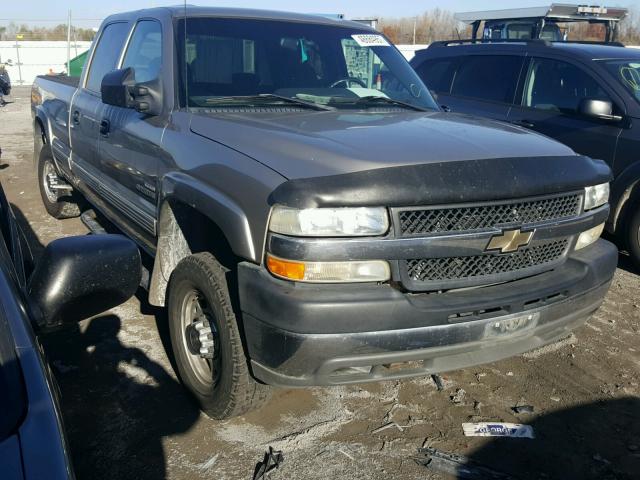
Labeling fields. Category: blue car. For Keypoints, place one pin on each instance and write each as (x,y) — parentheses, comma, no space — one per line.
(75,277)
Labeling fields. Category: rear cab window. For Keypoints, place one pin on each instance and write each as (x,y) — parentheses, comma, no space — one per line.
(106,54)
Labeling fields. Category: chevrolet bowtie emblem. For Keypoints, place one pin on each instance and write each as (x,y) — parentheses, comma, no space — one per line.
(510,240)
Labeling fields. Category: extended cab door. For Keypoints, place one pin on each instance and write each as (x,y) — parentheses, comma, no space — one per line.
(129,148)
(552,91)
(483,85)
(85,105)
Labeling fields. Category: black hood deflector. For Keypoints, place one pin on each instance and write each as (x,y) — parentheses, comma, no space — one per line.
(445,182)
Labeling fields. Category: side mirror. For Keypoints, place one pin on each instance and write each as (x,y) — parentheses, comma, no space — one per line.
(115,88)
(78,277)
(601,109)
(119,88)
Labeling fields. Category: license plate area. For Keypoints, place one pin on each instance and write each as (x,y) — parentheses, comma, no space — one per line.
(511,325)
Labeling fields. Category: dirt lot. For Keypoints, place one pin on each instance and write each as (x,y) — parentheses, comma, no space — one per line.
(127,416)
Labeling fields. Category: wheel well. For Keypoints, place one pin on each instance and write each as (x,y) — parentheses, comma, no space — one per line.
(42,133)
(625,207)
(39,138)
(183,231)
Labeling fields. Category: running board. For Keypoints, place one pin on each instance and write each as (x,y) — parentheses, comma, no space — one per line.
(90,221)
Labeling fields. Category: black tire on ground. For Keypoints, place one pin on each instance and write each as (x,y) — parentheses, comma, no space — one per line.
(227,388)
(57,205)
(632,233)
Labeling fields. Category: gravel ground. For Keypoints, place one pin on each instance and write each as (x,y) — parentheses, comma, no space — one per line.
(128,417)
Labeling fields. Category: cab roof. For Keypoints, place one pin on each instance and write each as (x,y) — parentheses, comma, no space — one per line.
(178,11)
(591,51)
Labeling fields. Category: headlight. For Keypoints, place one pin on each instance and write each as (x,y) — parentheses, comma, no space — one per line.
(596,196)
(587,237)
(329,272)
(329,222)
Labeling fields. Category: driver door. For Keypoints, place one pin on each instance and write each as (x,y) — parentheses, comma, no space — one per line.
(129,145)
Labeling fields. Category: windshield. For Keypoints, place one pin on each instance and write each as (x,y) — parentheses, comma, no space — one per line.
(229,61)
(628,73)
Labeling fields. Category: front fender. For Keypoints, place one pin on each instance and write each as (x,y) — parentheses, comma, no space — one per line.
(219,208)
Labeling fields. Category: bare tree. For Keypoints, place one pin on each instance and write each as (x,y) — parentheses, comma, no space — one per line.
(630,27)
(432,25)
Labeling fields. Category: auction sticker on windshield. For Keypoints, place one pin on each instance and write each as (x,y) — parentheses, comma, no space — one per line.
(370,40)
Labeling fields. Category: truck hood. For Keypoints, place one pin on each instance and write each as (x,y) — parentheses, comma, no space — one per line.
(315,144)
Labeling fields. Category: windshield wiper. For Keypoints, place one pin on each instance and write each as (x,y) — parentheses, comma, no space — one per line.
(371,99)
(266,98)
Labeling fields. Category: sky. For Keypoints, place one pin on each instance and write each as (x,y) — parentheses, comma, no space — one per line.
(47,12)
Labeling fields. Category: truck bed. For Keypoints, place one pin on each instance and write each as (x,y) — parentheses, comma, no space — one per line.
(64,79)
(56,92)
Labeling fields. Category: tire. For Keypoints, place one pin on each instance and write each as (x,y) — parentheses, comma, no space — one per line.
(58,206)
(632,234)
(198,290)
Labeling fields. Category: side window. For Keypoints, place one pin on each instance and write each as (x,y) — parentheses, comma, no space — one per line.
(491,77)
(106,54)
(144,53)
(558,86)
(437,74)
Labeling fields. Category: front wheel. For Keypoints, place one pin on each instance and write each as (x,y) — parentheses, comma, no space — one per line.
(206,340)
(55,193)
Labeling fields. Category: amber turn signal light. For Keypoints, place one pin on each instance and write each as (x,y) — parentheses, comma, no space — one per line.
(285,268)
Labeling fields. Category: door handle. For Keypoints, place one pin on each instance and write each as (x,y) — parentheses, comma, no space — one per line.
(105,126)
(524,123)
(75,118)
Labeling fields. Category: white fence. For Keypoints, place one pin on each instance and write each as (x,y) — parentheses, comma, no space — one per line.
(32,58)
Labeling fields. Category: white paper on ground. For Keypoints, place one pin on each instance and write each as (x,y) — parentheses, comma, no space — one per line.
(497,429)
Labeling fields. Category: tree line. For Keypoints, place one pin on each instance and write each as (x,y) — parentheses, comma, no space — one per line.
(58,32)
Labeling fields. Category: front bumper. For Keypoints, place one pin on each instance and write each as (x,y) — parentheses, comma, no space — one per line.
(303,335)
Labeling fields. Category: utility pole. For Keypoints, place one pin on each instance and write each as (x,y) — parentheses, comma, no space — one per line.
(18,63)
(69,44)
(415,20)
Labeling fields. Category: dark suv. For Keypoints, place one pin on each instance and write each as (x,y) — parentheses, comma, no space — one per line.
(584,95)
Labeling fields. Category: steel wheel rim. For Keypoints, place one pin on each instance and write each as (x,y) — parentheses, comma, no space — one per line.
(193,307)
(48,170)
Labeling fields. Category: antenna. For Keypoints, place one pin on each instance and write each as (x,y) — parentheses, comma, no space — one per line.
(186,77)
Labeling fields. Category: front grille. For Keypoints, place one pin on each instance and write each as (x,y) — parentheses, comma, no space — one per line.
(468,218)
(440,270)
